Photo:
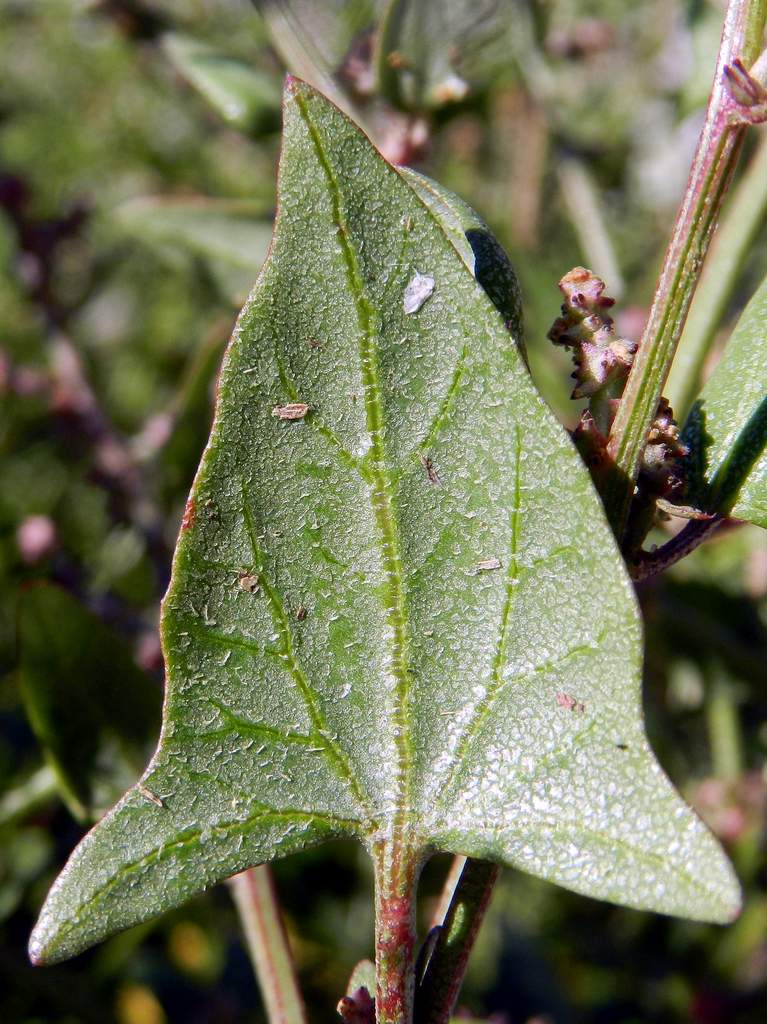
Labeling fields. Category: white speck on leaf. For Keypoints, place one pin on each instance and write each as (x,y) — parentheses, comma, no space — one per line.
(487,565)
(417,292)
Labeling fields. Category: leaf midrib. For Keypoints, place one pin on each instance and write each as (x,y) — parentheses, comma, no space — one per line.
(381,490)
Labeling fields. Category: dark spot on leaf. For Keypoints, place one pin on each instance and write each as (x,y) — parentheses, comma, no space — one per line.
(431,472)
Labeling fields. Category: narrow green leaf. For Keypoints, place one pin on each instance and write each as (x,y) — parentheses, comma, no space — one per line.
(93,711)
(397,612)
(230,236)
(727,426)
(191,417)
(242,95)
(28,795)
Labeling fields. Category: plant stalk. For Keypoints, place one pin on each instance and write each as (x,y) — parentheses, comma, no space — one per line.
(437,994)
(717,153)
(741,222)
(396,875)
(584,209)
(255,897)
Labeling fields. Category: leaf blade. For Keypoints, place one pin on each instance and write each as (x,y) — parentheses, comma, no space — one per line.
(359,591)
(727,426)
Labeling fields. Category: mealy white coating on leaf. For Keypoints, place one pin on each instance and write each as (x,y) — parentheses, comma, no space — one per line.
(417,292)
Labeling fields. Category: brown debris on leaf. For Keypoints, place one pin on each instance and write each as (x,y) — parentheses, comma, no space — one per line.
(487,565)
(292,411)
(564,700)
(431,473)
(249,582)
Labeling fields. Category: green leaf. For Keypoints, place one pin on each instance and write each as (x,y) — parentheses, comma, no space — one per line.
(727,426)
(93,711)
(27,795)
(191,417)
(397,612)
(231,236)
(243,96)
(428,50)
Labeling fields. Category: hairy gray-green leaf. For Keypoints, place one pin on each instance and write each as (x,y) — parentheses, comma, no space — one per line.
(727,426)
(314,39)
(479,249)
(397,612)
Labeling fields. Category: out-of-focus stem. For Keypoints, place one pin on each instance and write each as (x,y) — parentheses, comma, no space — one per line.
(742,220)
(442,980)
(255,897)
(723,727)
(649,563)
(715,159)
(586,215)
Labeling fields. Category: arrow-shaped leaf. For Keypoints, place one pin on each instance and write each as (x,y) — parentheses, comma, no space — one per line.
(397,612)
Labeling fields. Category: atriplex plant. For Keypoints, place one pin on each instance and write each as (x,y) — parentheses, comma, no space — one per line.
(398,612)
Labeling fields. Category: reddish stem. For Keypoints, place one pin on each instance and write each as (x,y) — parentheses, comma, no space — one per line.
(396,875)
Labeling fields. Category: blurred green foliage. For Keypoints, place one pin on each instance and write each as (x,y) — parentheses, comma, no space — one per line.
(112,333)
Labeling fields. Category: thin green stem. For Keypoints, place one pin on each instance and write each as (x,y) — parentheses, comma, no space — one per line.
(742,220)
(255,897)
(442,980)
(396,876)
(717,153)
(723,726)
